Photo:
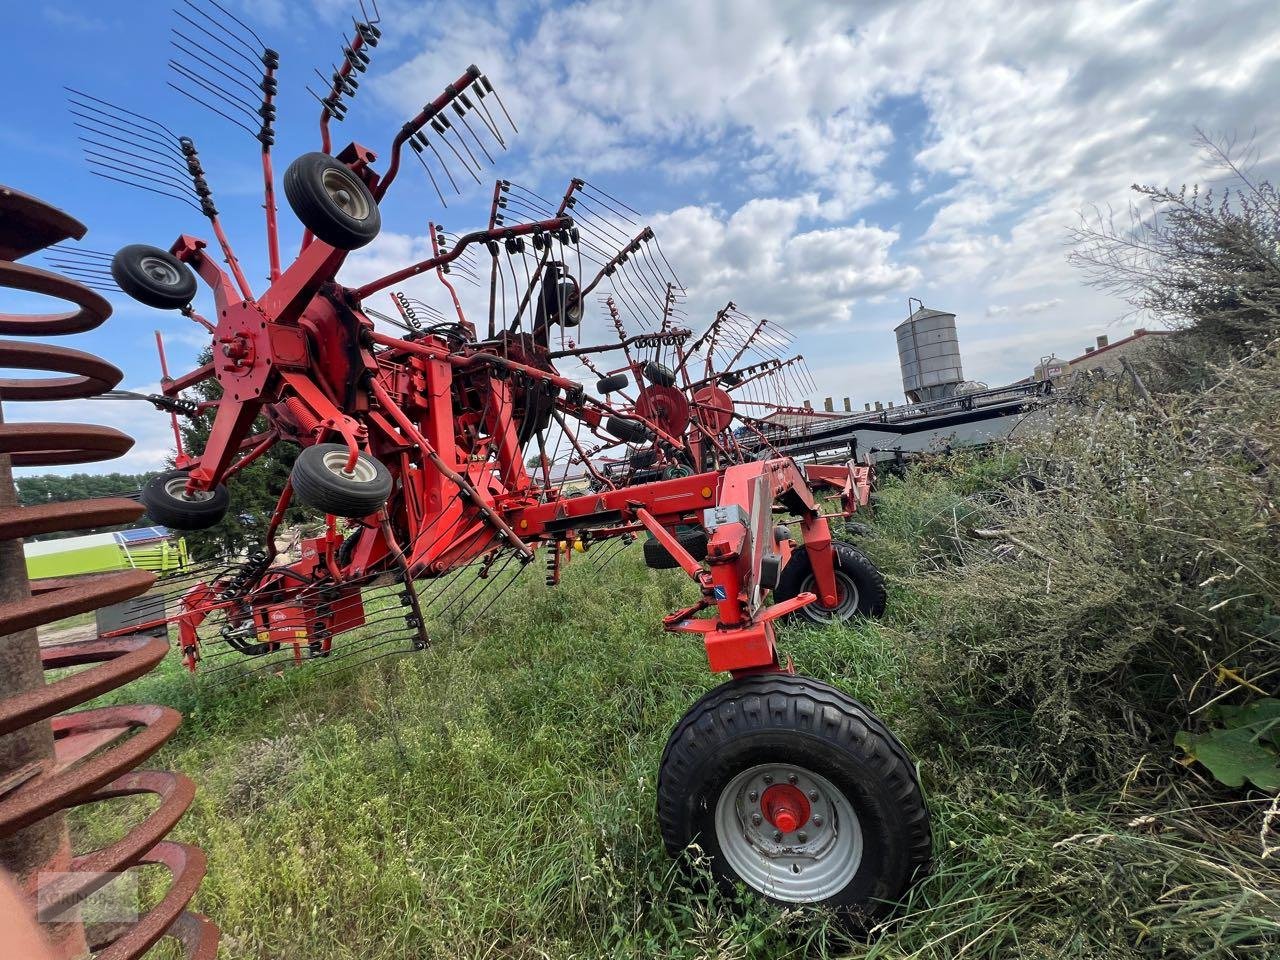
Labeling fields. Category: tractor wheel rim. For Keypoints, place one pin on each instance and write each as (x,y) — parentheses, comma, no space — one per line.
(812,862)
(846,599)
(335,461)
(176,489)
(160,271)
(345,195)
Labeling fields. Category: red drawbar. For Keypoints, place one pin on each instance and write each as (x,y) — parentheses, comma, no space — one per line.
(785,806)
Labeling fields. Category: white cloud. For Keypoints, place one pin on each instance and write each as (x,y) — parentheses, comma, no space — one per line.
(1027,112)
(762,258)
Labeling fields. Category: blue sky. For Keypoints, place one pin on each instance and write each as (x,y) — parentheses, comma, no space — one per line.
(817,162)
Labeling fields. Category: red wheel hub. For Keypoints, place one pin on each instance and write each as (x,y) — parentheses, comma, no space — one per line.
(666,407)
(785,806)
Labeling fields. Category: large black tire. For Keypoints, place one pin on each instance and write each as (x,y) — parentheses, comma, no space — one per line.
(858,835)
(559,302)
(320,481)
(331,201)
(861,586)
(659,374)
(628,430)
(619,381)
(153,276)
(693,539)
(167,502)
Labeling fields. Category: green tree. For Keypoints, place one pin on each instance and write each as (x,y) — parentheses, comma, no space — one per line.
(64,488)
(254,490)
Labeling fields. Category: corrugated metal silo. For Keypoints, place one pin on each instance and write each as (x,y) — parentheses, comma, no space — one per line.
(929,353)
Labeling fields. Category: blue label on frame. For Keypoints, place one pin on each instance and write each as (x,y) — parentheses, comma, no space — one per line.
(721,593)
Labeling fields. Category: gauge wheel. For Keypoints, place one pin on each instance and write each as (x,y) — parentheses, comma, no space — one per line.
(795,791)
(691,537)
(860,587)
(331,201)
(322,481)
(153,277)
(167,502)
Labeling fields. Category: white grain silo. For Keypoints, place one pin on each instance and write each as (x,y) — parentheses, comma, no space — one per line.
(929,353)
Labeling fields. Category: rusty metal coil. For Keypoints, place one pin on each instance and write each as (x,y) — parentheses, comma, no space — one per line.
(94,752)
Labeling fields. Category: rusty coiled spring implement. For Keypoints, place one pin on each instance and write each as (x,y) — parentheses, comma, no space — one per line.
(52,761)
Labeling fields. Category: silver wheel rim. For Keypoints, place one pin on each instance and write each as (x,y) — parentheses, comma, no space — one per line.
(345,194)
(335,461)
(161,271)
(176,488)
(790,869)
(846,602)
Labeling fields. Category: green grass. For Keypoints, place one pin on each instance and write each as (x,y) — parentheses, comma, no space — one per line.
(494,797)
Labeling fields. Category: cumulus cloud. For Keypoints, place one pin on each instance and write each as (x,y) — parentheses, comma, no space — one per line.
(761,257)
(1019,113)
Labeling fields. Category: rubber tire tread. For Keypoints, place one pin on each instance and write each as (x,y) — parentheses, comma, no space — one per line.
(126,270)
(627,430)
(724,714)
(872,594)
(318,487)
(182,514)
(657,557)
(317,212)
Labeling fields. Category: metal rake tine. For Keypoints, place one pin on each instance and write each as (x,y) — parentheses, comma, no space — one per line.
(244,25)
(156,125)
(622,237)
(236,76)
(208,106)
(80,251)
(115,155)
(612,199)
(162,155)
(488,88)
(222,27)
(539,198)
(422,137)
(484,113)
(163,193)
(418,153)
(462,115)
(70,266)
(441,125)
(228,98)
(212,36)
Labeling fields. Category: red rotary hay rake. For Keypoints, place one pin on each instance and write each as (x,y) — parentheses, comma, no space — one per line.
(438,446)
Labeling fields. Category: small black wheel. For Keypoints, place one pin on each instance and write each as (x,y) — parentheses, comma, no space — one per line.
(559,302)
(321,481)
(692,538)
(331,201)
(628,430)
(659,374)
(798,792)
(153,276)
(619,381)
(859,586)
(642,459)
(167,501)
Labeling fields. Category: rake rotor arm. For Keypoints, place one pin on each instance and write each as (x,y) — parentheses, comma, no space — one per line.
(268,175)
(191,250)
(710,333)
(425,116)
(747,343)
(433,230)
(670,338)
(478,236)
(618,259)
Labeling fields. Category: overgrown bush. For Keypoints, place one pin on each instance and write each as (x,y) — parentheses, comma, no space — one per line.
(1205,262)
(1138,585)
